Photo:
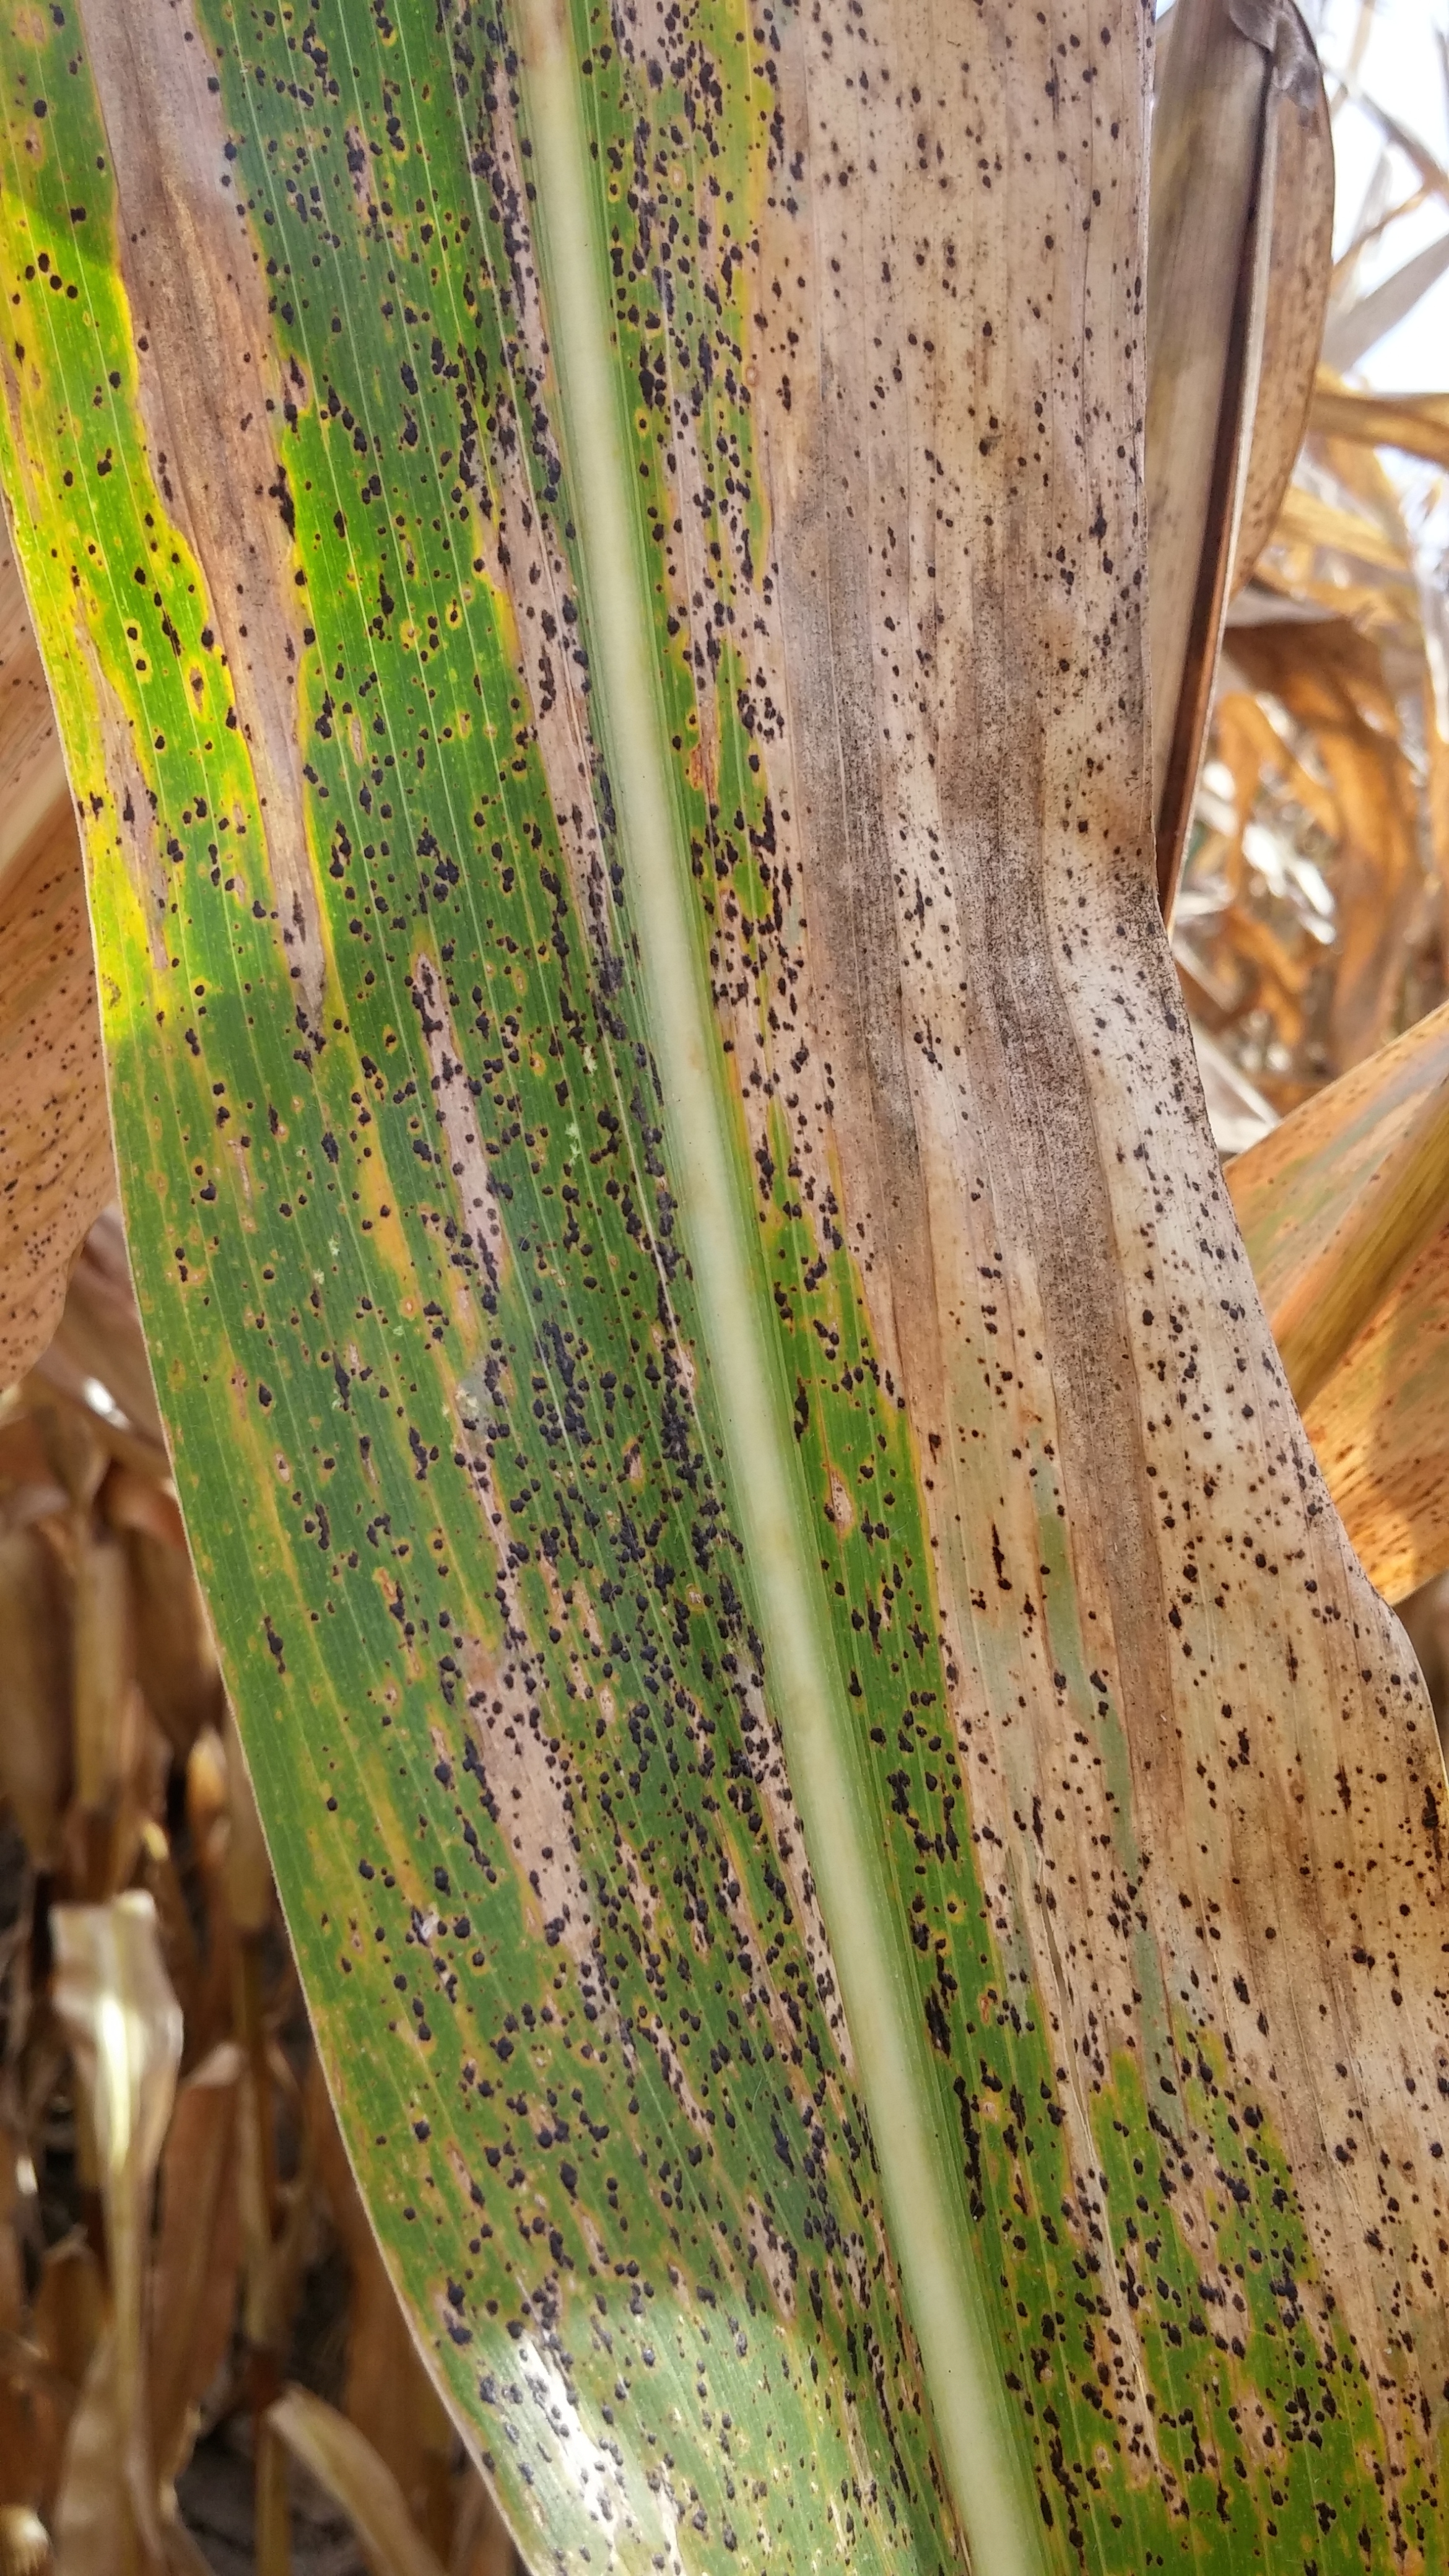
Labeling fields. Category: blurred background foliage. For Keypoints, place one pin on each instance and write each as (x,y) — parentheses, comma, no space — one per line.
(201,2359)
(1311,922)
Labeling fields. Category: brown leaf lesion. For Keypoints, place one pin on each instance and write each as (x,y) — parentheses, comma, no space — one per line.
(214,398)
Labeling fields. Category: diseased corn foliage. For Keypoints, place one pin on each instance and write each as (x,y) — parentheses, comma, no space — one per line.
(295,445)
(156,2293)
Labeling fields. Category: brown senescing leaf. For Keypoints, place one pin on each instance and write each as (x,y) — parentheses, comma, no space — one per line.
(1349,1191)
(1343,1212)
(55,1145)
(121,2018)
(345,2463)
(1417,424)
(1239,262)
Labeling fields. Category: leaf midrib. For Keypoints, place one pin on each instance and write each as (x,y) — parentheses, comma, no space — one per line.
(928,2218)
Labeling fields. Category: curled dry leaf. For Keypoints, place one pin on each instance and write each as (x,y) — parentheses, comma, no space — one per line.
(1239,263)
(1300,267)
(136,1502)
(344,2462)
(115,2003)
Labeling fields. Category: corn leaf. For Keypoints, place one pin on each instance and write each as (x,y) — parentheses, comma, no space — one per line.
(1417,424)
(116,2006)
(345,2464)
(864,1862)
(55,1155)
(1240,262)
(1298,158)
(1358,327)
(1330,681)
(1343,1210)
(55,1163)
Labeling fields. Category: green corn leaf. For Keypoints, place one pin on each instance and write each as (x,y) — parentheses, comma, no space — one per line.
(864,1863)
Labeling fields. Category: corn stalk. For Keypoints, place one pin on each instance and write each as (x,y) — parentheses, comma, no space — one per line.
(864,1860)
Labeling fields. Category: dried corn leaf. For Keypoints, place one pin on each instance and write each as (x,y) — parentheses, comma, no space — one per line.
(35,1745)
(248,1870)
(1380,1431)
(348,2467)
(1380,1422)
(175,1657)
(31,2420)
(1214,150)
(1434,179)
(388,2394)
(197,2261)
(104,1671)
(482,2543)
(34,796)
(1338,1203)
(1305,520)
(100,1339)
(1235,302)
(1300,270)
(1291,1192)
(54,1134)
(134,1502)
(55,1146)
(93,2508)
(24,2541)
(1416,424)
(69,2311)
(1330,681)
(1356,328)
(116,2005)
(34,2420)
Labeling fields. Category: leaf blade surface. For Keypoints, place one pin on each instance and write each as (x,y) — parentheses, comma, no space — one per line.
(447,1413)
